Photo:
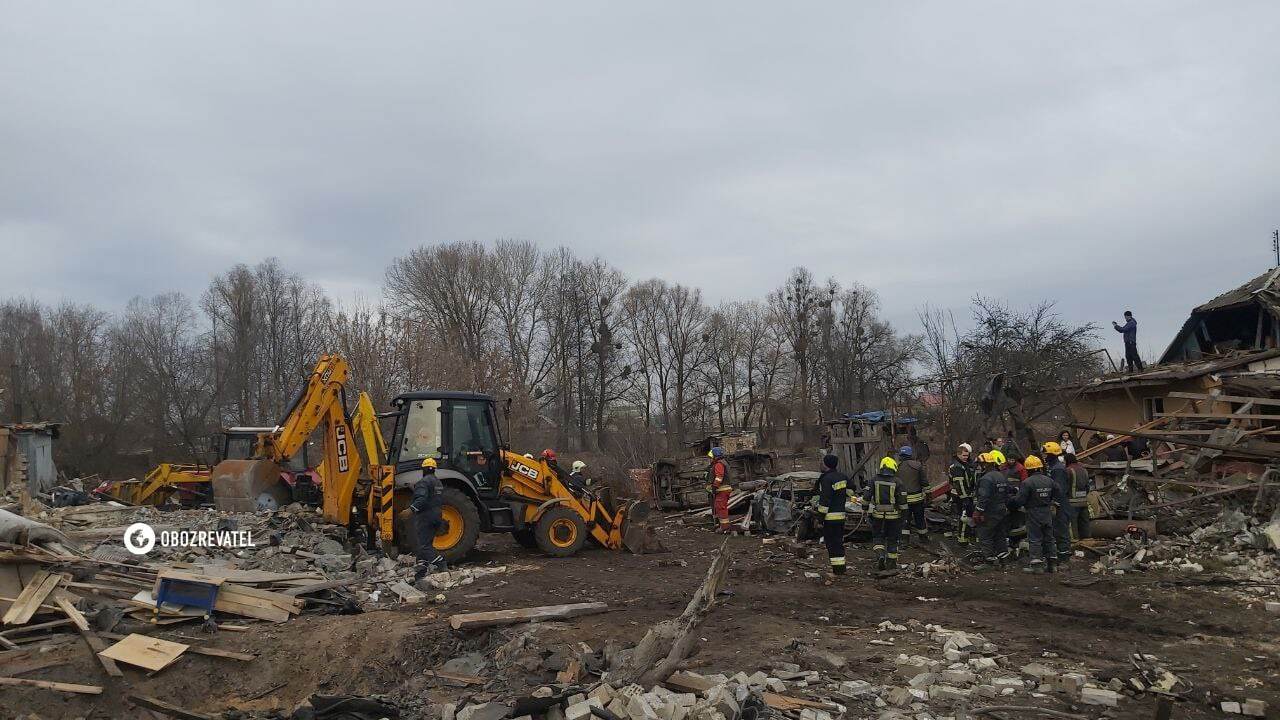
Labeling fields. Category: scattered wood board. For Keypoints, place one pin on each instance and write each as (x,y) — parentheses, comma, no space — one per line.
(31,598)
(522,615)
(96,646)
(169,709)
(145,652)
(72,613)
(49,685)
(201,650)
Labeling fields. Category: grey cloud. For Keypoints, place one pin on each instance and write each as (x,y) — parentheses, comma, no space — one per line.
(1103,155)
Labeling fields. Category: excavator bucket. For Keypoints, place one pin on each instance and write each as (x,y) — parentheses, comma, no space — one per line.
(637,535)
(248,486)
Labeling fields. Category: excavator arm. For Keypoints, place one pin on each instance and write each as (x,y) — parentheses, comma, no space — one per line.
(238,483)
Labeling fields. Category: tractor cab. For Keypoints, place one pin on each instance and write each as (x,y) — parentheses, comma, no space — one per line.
(458,429)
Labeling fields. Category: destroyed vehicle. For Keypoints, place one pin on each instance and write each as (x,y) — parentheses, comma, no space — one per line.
(681,482)
(779,505)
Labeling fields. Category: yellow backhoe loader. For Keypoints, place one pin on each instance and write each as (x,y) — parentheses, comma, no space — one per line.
(488,488)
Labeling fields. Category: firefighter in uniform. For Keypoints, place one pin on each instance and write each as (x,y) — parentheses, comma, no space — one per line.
(911,477)
(720,489)
(964,484)
(427,505)
(990,510)
(1063,513)
(1040,494)
(1079,486)
(885,503)
(831,503)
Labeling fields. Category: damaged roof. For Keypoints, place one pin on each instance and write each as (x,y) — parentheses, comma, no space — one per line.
(1159,374)
(1264,283)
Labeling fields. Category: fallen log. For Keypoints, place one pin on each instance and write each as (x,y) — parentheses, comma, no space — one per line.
(467,621)
(165,708)
(662,648)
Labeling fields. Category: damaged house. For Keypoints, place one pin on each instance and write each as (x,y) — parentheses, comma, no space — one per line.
(1224,360)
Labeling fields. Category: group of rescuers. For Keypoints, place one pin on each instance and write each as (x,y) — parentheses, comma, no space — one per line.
(427,507)
(1000,494)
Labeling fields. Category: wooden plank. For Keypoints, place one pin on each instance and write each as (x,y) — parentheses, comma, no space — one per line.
(145,652)
(521,615)
(251,607)
(1224,398)
(1119,438)
(317,587)
(459,677)
(682,680)
(75,615)
(24,629)
(1221,416)
(169,709)
(31,598)
(1193,443)
(235,592)
(786,702)
(96,646)
(200,649)
(50,685)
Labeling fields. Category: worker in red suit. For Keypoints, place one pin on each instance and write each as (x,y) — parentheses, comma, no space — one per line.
(718,473)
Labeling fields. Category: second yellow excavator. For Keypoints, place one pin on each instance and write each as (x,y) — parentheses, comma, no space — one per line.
(488,488)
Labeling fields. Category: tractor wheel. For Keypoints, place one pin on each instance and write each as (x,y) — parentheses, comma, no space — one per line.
(560,532)
(526,538)
(460,527)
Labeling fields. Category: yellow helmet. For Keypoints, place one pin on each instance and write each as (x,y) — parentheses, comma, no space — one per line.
(890,463)
(997,457)
(428,463)
(1032,463)
(1052,448)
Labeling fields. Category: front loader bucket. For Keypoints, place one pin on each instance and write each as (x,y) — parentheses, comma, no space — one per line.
(637,535)
(248,486)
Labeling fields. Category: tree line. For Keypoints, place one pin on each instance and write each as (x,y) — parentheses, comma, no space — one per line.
(589,359)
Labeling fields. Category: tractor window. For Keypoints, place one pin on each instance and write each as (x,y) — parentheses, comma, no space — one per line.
(471,428)
(239,447)
(422,431)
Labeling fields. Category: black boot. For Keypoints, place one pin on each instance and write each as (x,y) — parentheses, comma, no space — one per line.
(1050,566)
(882,563)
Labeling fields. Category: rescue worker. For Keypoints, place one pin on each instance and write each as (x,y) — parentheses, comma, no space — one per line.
(1062,514)
(885,503)
(1040,494)
(1079,485)
(718,473)
(911,478)
(990,510)
(1016,473)
(964,483)
(427,505)
(834,493)
(578,480)
(548,456)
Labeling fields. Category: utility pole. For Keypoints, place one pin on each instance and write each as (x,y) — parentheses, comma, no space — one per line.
(1275,245)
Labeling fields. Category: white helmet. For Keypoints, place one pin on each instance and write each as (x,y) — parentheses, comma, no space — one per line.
(579,466)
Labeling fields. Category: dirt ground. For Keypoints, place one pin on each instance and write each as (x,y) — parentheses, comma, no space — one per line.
(1211,637)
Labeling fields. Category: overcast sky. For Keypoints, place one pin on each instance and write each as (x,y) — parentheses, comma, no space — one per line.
(1105,155)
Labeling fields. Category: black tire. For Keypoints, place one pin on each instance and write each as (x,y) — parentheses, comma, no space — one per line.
(560,532)
(465,510)
(526,538)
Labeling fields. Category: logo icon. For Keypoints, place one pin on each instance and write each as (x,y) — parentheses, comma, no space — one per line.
(139,538)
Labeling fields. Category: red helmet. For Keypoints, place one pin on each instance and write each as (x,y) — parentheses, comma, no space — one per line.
(549,454)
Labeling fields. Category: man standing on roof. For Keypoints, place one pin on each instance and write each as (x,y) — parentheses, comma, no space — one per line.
(1130,331)
(911,478)
(834,495)
(718,473)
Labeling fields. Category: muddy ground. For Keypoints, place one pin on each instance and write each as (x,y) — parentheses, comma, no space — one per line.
(1212,637)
